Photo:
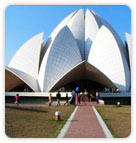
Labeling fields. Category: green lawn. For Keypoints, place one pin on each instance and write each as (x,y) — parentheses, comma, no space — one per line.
(31,121)
(117,119)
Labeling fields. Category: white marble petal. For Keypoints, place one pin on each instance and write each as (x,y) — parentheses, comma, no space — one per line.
(27,58)
(106,56)
(62,55)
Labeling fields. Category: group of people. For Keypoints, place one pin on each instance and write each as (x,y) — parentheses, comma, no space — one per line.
(58,96)
(75,99)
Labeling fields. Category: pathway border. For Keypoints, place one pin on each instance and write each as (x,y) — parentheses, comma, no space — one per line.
(67,124)
(103,125)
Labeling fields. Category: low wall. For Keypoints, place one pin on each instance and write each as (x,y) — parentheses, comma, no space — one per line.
(40,97)
(113,98)
(37,94)
(33,97)
(126,94)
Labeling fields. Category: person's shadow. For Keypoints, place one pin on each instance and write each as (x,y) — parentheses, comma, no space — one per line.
(25,109)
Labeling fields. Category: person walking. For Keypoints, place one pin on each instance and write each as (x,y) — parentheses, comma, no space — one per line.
(17,99)
(58,95)
(66,103)
(50,99)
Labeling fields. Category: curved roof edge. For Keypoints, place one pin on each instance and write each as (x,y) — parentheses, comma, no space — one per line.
(129,43)
(91,29)
(29,80)
(28,55)
(53,34)
(87,71)
(77,26)
(101,21)
(61,25)
(11,81)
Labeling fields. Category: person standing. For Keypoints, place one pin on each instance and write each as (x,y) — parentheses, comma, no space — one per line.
(79,96)
(83,98)
(85,92)
(58,95)
(50,99)
(97,97)
(89,96)
(17,99)
(84,95)
(76,99)
(73,97)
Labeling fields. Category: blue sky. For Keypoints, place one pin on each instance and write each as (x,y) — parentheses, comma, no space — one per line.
(24,21)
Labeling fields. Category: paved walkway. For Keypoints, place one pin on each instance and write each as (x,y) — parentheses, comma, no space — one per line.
(85,123)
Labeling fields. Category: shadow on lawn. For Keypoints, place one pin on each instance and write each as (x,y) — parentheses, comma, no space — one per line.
(61,120)
(26,109)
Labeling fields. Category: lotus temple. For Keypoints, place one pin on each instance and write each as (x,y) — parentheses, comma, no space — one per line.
(83,50)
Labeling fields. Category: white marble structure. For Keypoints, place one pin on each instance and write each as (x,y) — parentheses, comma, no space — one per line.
(81,47)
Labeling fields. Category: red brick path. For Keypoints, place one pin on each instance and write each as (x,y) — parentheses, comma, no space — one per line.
(85,123)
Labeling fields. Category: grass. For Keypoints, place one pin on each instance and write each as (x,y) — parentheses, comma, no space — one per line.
(117,119)
(30,121)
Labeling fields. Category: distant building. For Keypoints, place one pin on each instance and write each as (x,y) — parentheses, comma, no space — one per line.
(83,50)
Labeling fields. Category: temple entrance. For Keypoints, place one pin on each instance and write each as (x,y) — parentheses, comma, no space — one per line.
(90,86)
